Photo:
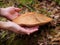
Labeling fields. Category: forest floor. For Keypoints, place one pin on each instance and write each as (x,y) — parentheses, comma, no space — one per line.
(48,34)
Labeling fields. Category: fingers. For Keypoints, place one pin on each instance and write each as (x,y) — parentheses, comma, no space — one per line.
(10,12)
(29,30)
(17,9)
(13,13)
(12,16)
(33,29)
(14,8)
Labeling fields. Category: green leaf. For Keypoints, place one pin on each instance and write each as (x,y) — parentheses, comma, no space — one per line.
(11,39)
(4,33)
(26,2)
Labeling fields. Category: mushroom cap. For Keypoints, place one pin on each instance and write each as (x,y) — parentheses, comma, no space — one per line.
(31,19)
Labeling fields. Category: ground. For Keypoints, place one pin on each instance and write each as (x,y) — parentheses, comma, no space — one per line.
(48,34)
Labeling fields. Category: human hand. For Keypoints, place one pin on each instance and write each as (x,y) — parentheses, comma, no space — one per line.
(10,12)
(16,28)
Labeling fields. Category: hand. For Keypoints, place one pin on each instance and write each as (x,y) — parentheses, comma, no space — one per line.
(10,12)
(16,28)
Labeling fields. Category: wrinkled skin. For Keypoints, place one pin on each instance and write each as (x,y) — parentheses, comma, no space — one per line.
(11,13)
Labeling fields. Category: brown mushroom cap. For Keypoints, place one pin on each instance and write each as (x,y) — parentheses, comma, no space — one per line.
(32,19)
